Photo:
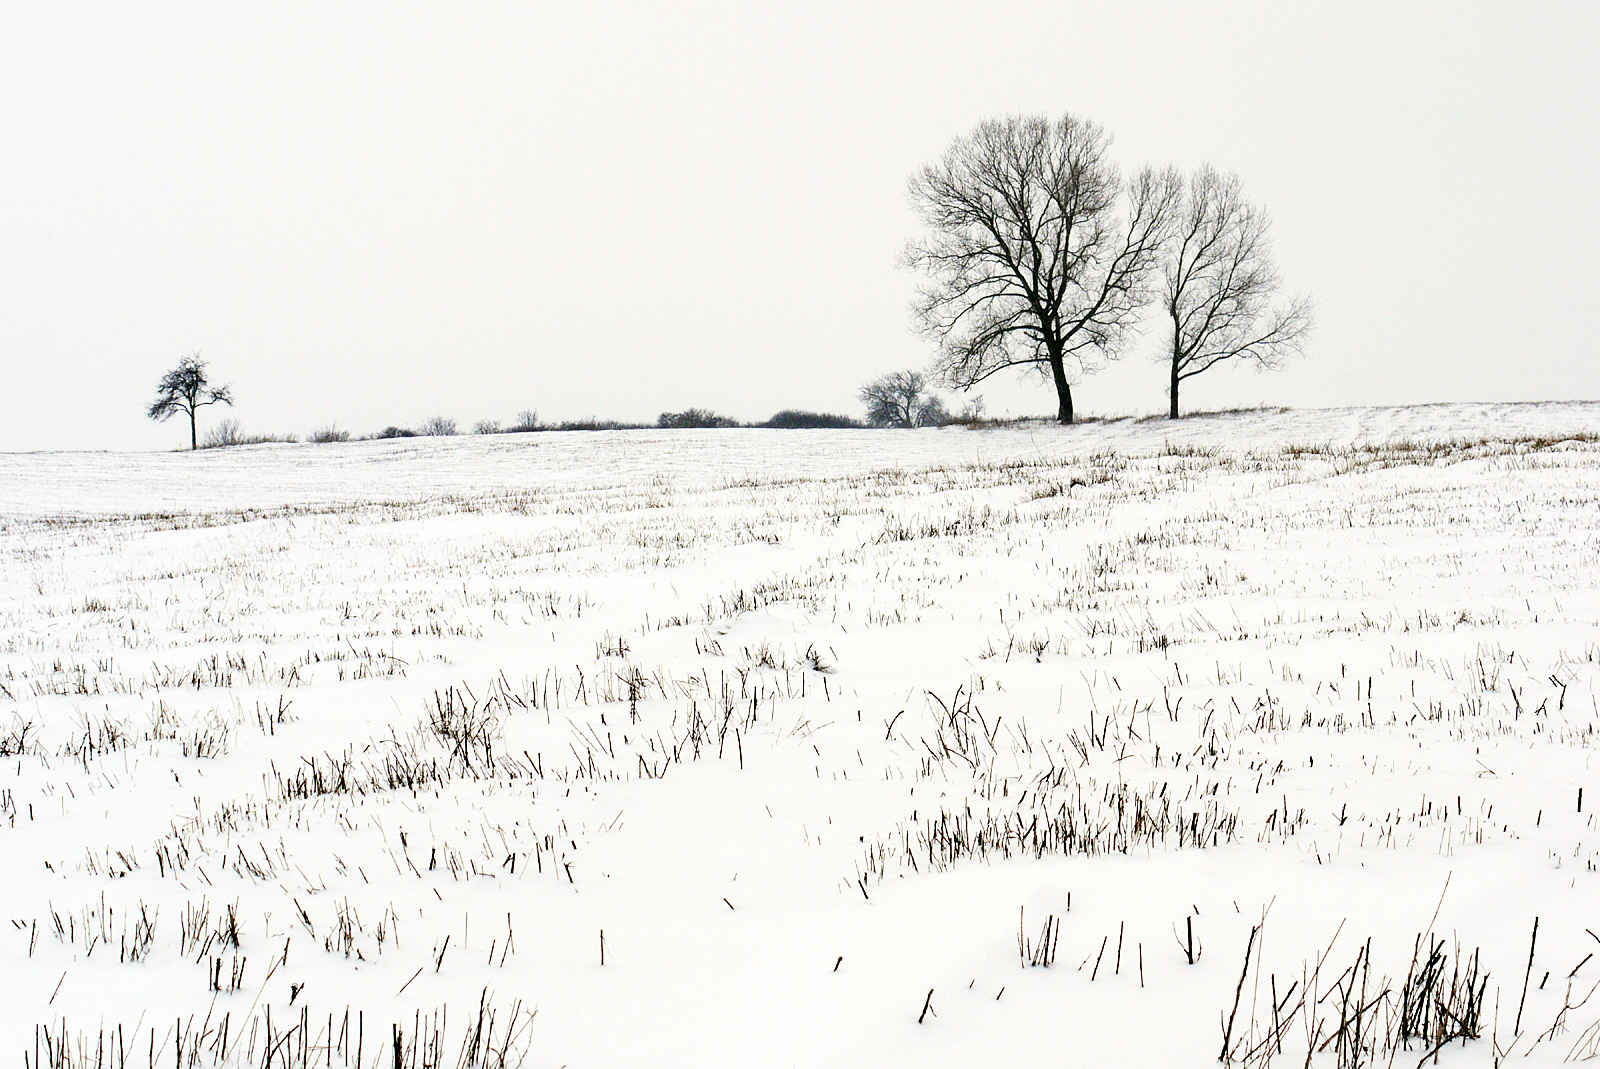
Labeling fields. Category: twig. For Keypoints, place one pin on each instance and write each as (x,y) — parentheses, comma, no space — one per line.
(1528,972)
(1227,1031)
(407,984)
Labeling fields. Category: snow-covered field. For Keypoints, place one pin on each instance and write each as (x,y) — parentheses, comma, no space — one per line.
(1129,743)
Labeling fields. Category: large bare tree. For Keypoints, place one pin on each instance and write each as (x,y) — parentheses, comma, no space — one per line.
(1218,282)
(185,389)
(1039,256)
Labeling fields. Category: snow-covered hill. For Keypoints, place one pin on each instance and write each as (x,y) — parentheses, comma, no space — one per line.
(1101,745)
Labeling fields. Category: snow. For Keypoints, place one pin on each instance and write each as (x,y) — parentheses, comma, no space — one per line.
(713,693)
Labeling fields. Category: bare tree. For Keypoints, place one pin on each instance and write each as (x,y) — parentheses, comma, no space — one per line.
(1040,257)
(1218,282)
(932,413)
(896,399)
(185,389)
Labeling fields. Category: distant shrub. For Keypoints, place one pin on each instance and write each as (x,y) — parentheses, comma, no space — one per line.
(971,414)
(595,425)
(437,427)
(330,433)
(395,432)
(694,418)
(222,435)
(527,420)
(227,433)
(794,418)
(486,426)
(1262,410)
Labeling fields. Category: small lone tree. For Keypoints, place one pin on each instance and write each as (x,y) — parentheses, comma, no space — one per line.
(895,399)
(185,389)
(1039,255)
(1218,280)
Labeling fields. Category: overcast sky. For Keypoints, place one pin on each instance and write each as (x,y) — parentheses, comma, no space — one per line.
(370,214)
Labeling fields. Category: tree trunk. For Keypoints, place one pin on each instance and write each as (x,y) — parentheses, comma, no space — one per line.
(1058,373)
(193,445)
(1172,412)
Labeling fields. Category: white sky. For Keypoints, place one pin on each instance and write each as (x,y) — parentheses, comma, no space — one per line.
(376,213)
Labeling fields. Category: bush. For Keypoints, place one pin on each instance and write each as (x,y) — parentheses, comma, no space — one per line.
(971,414)
(392,431)
(694,418)
(486,426)
(527,420)
(223,435)
(330,433)
(595,425)
(437,427)
(794,418)
(227,433)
